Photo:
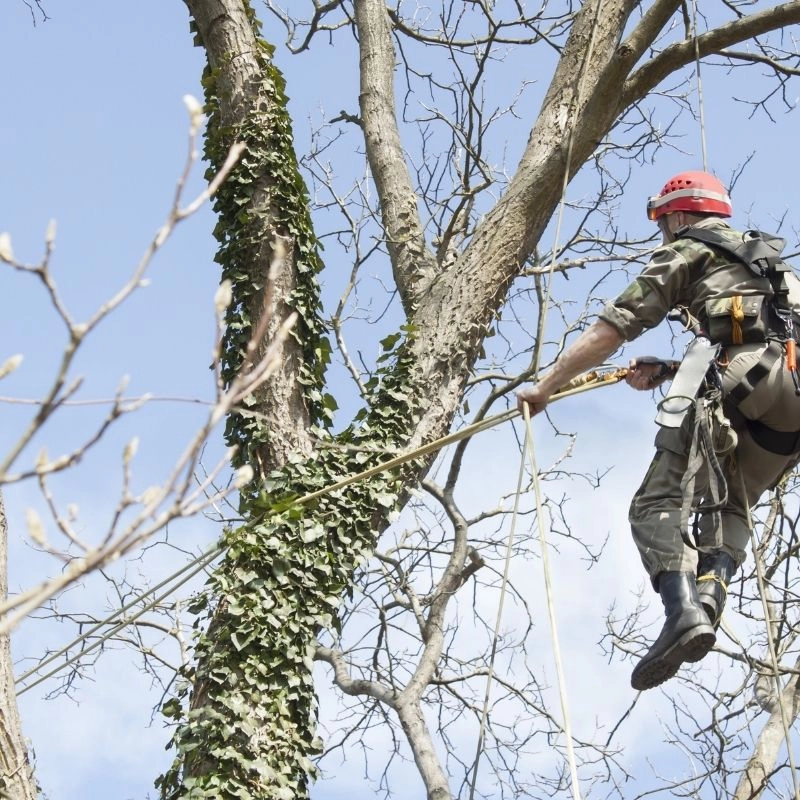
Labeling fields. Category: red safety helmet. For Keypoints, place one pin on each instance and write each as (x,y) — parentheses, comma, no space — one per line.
(695,192)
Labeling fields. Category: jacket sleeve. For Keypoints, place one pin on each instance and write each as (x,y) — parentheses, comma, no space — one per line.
(648,299)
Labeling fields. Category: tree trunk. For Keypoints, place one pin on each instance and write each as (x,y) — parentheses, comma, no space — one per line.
(248,108)
(421,743)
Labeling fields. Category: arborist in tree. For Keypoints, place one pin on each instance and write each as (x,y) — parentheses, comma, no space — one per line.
(730,423)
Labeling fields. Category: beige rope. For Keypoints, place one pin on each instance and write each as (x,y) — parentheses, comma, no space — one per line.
(195,566)
(700,104)
(500,604)
(548,582)
(583,383)
(529,439)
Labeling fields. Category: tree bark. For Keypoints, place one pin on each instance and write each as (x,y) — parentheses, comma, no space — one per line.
(414,264)
(421,742)
(227,36)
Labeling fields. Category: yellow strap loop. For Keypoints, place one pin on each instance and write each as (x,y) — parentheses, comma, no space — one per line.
(716,578)
(737,316)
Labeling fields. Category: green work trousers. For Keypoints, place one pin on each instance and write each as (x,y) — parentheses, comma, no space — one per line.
(655,512)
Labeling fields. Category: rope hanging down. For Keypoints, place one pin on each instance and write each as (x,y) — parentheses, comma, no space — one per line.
(589,380)
(528,450)
(500,604)
(618,375)
(759,567)
(551,612)
(700,104)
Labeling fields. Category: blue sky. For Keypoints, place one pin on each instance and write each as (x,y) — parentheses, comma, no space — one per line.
(94,135)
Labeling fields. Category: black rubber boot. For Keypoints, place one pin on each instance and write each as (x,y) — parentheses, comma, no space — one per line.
(687,634)
(713,576)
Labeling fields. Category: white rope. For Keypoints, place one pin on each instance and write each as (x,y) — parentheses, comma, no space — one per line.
(495,637)
(762,589)
(529,440)
(581,384)
(565,182)
(199,564)
(700,103)
(573,770)
(528,451)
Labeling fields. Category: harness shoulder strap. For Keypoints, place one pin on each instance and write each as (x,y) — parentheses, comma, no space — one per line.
(759,251)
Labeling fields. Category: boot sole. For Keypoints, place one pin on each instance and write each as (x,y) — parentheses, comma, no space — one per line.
(691,647)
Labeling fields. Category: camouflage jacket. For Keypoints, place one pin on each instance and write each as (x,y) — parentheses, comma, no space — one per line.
(708,282)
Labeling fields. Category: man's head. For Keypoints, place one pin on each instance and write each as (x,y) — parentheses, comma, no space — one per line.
(686,198)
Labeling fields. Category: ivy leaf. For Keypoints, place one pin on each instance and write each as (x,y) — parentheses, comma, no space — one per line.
(240,643)
(386,500)
(172,709)
(390,341)
(313,533)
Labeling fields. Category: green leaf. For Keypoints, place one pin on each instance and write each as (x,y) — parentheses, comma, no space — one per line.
(311,534)
(386,500)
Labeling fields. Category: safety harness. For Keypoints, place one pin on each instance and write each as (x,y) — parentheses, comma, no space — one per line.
(761,253)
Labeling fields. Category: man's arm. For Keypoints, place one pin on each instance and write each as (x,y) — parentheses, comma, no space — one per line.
(589,350)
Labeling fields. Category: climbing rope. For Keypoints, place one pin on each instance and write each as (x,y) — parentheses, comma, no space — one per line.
(500,604)
(567,165)
(700,104)
(759,567)
(594,379)
(186,573)
(583,383)
(528,444)
(551,613)
(527,451)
